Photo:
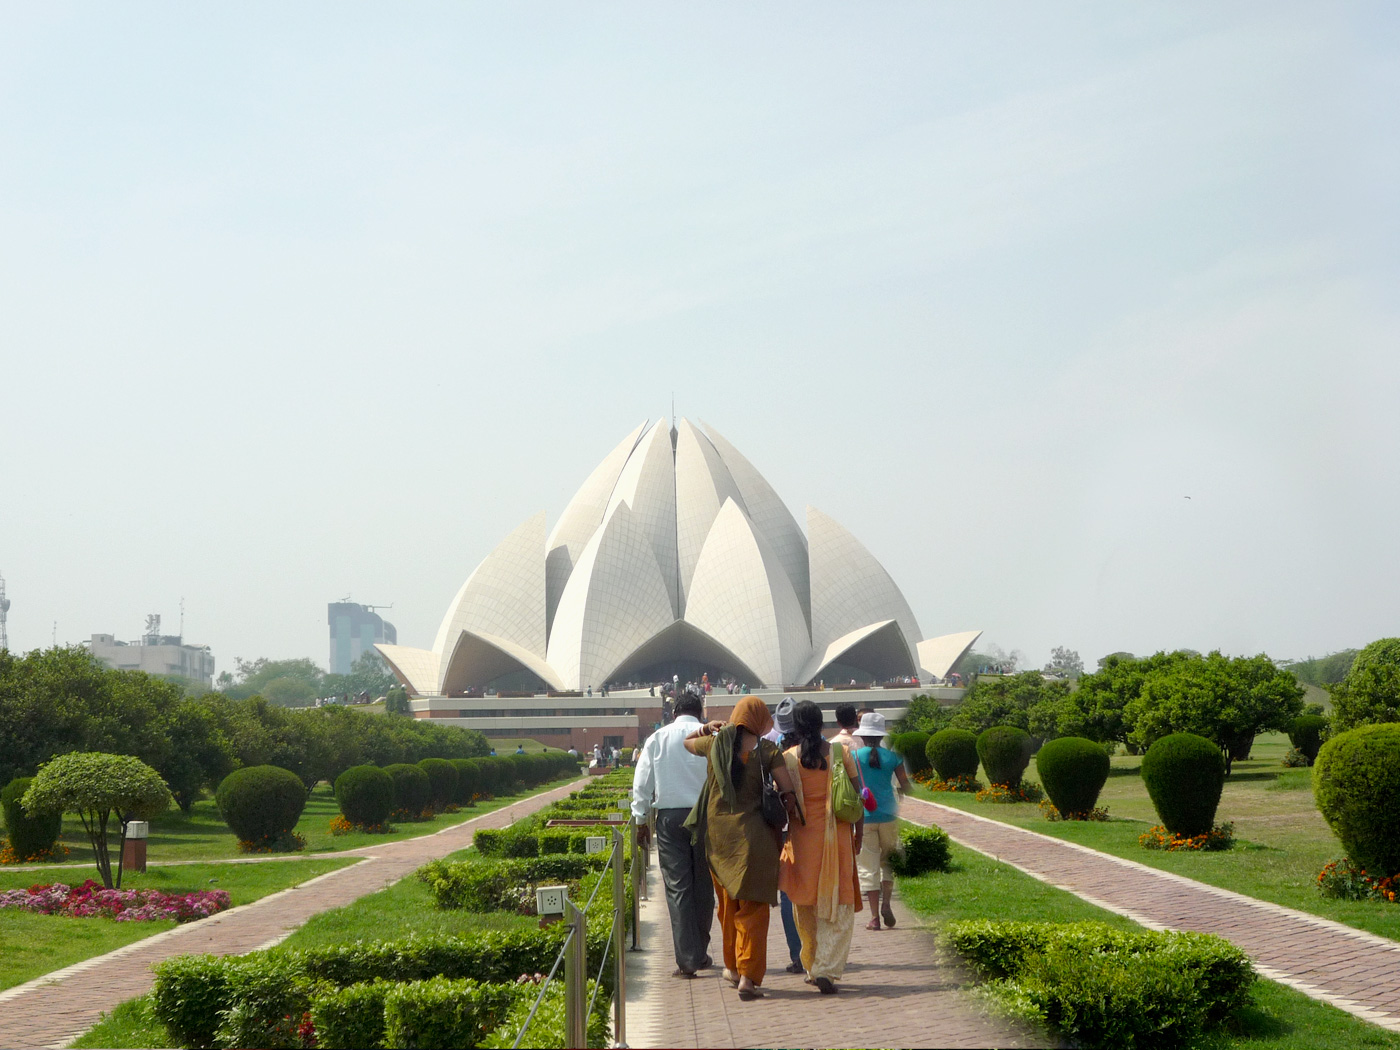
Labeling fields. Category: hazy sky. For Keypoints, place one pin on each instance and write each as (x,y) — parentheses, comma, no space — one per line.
(300,302)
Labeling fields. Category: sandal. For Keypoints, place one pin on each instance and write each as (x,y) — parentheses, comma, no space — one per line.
(887,913)
(748,995)
(732,978)
(873,924)
(824,985)
(687,974)
(795,967)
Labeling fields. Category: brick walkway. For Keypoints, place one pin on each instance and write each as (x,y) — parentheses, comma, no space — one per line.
(898,991)
(54,1009)
(1351,969)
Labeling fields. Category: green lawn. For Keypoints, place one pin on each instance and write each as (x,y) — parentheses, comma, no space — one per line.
(1280,1019)
(202,835)
(32,945)
(1283,840)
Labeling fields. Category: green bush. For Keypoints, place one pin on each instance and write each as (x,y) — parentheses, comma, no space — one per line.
(412,789)
(347,1018)
(29,836)
(952,753)
(365,795)
(189,993)
(912,747)
(1184,775)
(1005,752)
(921,851)
(443,1013)
(546,1029)
(261,803)
(506,842)
(503,885)
(1305,734)
(1356,781)
(268,993)
(1370,692)
(499,775)
(1073,771)
(442,782)
(1107,987)
(470,781)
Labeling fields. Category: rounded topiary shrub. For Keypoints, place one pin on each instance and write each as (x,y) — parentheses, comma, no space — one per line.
(1356,781)
(911,747)
(1005,752)
(1306,735)
(365,795)
(29,836)
(952,753)
(469,781)
(261,803)
(412,789)
(442,782)
(1073,771)
(922,850)
(1184,775)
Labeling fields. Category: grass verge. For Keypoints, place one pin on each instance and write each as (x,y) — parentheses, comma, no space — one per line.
(32,945)
(1279,1019)
(1283,842)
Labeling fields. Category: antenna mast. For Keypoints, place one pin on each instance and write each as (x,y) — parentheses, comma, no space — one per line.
(4,608)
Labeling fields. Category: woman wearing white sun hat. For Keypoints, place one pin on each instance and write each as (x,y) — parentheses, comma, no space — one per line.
(879,768)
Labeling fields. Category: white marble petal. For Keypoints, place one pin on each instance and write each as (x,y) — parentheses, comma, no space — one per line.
(938,655)
(703,484)
(415,668)
(647,485)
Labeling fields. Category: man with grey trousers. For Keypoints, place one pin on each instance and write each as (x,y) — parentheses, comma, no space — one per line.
(667,782)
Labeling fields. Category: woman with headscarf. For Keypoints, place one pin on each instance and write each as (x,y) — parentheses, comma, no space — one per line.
(819,868)
(741,846)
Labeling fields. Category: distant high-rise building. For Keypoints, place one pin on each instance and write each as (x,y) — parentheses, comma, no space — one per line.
(354,629)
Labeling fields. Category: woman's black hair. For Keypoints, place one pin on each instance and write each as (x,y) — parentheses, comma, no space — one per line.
(736,760)
(874,753)
(807,727)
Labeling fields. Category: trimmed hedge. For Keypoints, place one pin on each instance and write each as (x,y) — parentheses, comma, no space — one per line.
(29,836)
(347,1018)
(261,803)
(1184,775)
(503,885)
(470,780)
(912,747)
(412,789)
(442,782)
(365,795)
(1073,770)
(1109,987)
(1306,735)
(952,753)
(506,842)
(444,1013)
(1356,780)
(1005,752)
(921,851)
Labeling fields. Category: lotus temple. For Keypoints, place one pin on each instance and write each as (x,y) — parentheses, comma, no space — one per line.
(674,559)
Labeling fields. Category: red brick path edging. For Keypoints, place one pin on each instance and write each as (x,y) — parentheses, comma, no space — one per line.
(1349,968)
(55,1009)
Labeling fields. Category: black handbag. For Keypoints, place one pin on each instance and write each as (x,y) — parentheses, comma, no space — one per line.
(774,812)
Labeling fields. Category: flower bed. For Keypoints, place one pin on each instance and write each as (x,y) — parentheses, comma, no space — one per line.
(934,782)
(56,855)
(1025,791)
(1222,836)
(341,826)
(1343,880)
(1050,812)
(93,901)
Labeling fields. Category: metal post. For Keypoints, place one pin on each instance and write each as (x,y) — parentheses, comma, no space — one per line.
(576,980)
(639,857)
(619,930)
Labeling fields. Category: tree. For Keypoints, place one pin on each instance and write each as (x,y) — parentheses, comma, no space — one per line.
(1065,661)
(1227,700)
(1027,701)
(96,786)
(1096,708)
(254,678)
(1370,692)
(1322,671)
(396,701)
(926,714)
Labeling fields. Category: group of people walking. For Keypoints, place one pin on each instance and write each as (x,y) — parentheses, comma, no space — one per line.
(763,811)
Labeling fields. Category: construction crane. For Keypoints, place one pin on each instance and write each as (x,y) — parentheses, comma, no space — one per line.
(4,609)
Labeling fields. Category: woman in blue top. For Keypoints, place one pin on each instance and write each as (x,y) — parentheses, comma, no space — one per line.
(879,767)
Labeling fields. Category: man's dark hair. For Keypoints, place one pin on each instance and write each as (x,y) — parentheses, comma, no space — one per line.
(690,704)
(846,716)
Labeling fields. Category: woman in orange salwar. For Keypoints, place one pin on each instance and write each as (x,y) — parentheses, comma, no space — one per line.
(741,846)
(819,868)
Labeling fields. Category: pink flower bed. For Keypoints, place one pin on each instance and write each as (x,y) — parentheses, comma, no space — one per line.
(90,900)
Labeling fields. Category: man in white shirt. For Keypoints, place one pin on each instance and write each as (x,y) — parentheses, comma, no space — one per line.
(668,782)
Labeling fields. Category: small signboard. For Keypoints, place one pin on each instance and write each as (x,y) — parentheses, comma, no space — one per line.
(624,804)
(549,900)
(595,843)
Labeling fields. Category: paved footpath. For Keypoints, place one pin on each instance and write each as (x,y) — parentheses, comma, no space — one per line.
(55,1009)
(899,990)
(1349,968)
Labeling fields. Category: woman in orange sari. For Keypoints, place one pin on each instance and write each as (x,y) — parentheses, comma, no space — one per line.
(819,866)
(741,846)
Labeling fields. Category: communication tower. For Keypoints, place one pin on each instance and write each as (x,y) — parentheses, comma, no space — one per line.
(4,609)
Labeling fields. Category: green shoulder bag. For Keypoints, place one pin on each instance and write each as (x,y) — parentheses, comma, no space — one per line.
(845,799)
